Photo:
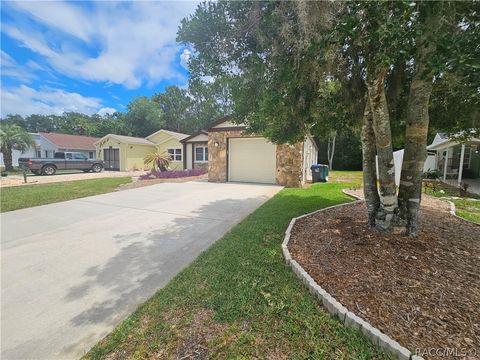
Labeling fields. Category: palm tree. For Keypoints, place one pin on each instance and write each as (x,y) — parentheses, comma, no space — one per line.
(13,137)
(158,160)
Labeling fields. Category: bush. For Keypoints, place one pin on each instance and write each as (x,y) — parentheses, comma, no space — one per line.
(172,174)
(431,174)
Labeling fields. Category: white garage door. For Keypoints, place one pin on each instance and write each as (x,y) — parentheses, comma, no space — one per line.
(251,160)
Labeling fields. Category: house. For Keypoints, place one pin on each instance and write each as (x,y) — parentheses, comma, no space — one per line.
(47,144)
(234,155)
(126,153)
(456,160)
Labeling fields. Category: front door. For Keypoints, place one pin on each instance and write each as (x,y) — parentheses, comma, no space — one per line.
(111,158)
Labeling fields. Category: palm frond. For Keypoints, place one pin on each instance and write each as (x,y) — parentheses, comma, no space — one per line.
(157,160)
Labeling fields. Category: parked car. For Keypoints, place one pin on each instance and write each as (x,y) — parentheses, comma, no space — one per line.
(61,161)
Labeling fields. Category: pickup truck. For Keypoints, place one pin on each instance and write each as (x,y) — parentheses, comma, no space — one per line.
(61,161)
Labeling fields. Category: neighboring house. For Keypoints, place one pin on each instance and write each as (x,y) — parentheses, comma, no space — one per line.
(196,151)
(126,153)
(236,156)
(47,144)
(455,160)
(463,160)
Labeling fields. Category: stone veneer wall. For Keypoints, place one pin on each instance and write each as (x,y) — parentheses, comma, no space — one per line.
(217,155)
(203,166)
(289,159)
(289,164)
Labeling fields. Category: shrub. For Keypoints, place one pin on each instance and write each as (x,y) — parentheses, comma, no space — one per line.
(172,174)
(431,174)
(464,189)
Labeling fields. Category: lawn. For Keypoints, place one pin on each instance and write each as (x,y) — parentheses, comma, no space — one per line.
(239,299)
(20,197)
(465,207)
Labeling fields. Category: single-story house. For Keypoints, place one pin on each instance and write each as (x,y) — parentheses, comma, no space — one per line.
(125,153)
(455,160)
(47,144)
(234,155)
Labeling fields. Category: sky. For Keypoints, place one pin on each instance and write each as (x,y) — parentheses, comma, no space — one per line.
(89,57)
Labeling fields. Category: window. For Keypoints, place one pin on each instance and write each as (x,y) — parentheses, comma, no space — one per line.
(175,154)
(39,153)
(90,155)
(201,153)
(78,156)
(68,156)
(466,157)
(46,153)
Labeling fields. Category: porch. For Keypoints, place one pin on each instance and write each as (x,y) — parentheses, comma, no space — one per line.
(458,163)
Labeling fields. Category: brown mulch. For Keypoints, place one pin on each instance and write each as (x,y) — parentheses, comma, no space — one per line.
(423,292)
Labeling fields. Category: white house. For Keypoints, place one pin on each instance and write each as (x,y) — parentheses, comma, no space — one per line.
(455,162)
(47,144)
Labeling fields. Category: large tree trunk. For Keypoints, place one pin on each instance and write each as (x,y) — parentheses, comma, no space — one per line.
(7,158)
(387,216)
(410,192)
(370,189)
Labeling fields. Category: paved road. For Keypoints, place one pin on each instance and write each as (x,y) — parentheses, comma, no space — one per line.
(71,271)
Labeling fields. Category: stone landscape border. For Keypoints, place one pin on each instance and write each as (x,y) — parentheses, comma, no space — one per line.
(454,212)
(348,318)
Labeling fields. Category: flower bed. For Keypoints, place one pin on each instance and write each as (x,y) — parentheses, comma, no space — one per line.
(172,174)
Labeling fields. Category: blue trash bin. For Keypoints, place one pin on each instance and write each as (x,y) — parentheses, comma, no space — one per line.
(319,172)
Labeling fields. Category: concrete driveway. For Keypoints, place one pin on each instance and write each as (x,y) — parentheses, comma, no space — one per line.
(72,270)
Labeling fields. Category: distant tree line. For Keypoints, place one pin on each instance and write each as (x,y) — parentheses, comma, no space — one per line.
(175,109)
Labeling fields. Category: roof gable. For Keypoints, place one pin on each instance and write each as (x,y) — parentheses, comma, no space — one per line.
(202,135)
(167,133)
(225,122)
(126,139)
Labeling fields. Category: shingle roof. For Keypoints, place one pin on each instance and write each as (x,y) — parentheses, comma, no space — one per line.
(71,142)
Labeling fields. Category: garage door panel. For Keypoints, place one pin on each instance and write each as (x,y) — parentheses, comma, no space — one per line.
(251,160)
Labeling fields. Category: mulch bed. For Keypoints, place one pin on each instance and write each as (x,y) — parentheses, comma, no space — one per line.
(423,292)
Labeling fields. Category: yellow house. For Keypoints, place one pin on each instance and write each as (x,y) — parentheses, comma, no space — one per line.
(126,153)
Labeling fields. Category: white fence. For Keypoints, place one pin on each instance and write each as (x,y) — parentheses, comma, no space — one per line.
(430,164)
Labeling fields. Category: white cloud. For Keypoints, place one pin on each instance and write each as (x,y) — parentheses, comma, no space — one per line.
(185,57)
(128,43)
(106,110)
(24,100)
(12,69)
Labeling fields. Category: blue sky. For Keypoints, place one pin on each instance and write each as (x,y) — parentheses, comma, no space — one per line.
(90,57)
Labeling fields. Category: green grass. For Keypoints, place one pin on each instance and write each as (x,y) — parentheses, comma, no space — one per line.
(354,178)
(20,197)
(465,207)
(15,171)
(468,209)
(239,299)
